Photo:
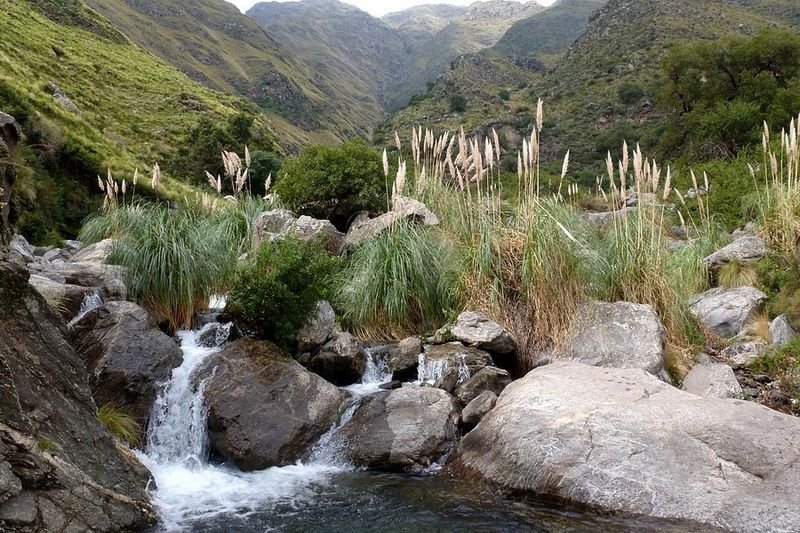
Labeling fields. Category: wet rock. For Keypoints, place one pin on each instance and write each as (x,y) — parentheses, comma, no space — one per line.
(341,361)
(745,250)
(217,334)
(56,458)
(726,311)
(392,385)
(63,297)
(317,329)
(630,444)
(742,354)
(448,380)
(405,430)
(618,335)
(486,379)
(127,356)
(455,354)
(476,329)
(781,331)
(404,359)
(712,381)
(264,409)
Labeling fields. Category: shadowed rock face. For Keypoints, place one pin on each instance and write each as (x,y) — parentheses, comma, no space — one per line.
(9,136)
(407,429)
(264,409)
(59,468)
(621,440)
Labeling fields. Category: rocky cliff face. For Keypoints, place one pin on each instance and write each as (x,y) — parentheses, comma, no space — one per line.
(59,468)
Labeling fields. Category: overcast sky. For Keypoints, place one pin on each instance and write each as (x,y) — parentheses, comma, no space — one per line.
(381,7)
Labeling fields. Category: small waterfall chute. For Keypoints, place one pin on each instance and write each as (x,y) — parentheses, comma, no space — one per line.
(91,301)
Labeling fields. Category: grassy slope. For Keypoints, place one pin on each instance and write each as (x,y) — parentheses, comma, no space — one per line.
(133,106)
(213,43)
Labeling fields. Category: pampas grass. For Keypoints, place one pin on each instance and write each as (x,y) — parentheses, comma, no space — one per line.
(119,423)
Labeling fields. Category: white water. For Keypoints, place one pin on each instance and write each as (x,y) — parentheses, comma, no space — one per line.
(90,302)
(376,373)
(188,487)
(429,372)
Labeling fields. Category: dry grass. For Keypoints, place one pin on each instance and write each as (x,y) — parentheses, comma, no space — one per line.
(757,328)
(736,274)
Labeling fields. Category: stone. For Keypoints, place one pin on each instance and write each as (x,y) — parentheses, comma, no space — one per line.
(216,334)
(486,379)
(341,361)
(56,254)
(448,380)
(404,359)
(726,311)
(745,250)
(56,458)
(94,253)
(83,274)
(127,356)
(392,385)
(742,354)
(63,297)
(20,248)
(405,430)
(317,329)
(712,381)
(270,224)
(781,331)
(264,409)
(617,335)
(604,218)
(478,408)
(437,359)
(306,228)
(620,441)
(476,329)
(403,208)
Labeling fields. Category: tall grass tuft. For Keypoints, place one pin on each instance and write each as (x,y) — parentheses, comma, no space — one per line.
(401,282)
(119,423)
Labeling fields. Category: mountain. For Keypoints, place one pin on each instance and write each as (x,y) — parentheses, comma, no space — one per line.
(601,89)
(548,32)
(422,22)
(356,58)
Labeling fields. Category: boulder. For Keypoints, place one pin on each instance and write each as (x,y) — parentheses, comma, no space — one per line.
(486,379)
(306,228)
(405,430)
(402,209)
(94,253)
(264,409)
(742,354)
(56,254)
(437,359)
(781,331)
(449,379)
(127,356)
(618,335)
(63,297)
(270,224)
(604,218)
(634,444)
(83,274)
(341,361)
(404,359)
(20,250)
(216,334)
(712,381)
(747,249)
(476,329)
(726,311)
(478,408)
(60,470)
(317,329)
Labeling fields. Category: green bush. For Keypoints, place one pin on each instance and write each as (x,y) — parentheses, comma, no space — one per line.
(458,104)
(504,95)
(274,293)
(398,283)
(780,279)
(333,182)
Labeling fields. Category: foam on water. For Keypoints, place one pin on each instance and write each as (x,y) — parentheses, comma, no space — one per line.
(376,373)
(91,301)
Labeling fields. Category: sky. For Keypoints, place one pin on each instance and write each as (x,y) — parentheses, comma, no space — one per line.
(379,8)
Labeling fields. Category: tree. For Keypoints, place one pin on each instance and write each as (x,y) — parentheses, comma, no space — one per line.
(458,104)
(333,182)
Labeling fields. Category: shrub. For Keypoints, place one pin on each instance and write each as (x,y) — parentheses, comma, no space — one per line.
(119,423)
(782,364)
(504,95)
(274,293)
(398,283)
(630,93)
(333,182)
(458,104)
(174,260)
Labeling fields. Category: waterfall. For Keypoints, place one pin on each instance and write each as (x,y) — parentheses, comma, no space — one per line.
(430,371)
(376,372)
(92,300)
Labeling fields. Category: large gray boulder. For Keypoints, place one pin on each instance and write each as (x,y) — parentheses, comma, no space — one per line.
(20,250)
(264,409)
(60,470)
(276,225)
(406,430)
(94,253)
(745,250)
(713,380)
(341,361)
(618,335)
(317,329)
(403,209)
(487,378)
(740,355)
(83,274)
(726,311)
(270,224)
(404,359)
(478,408)
(634,444)
(476,329)
(127,356)
(63,297)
